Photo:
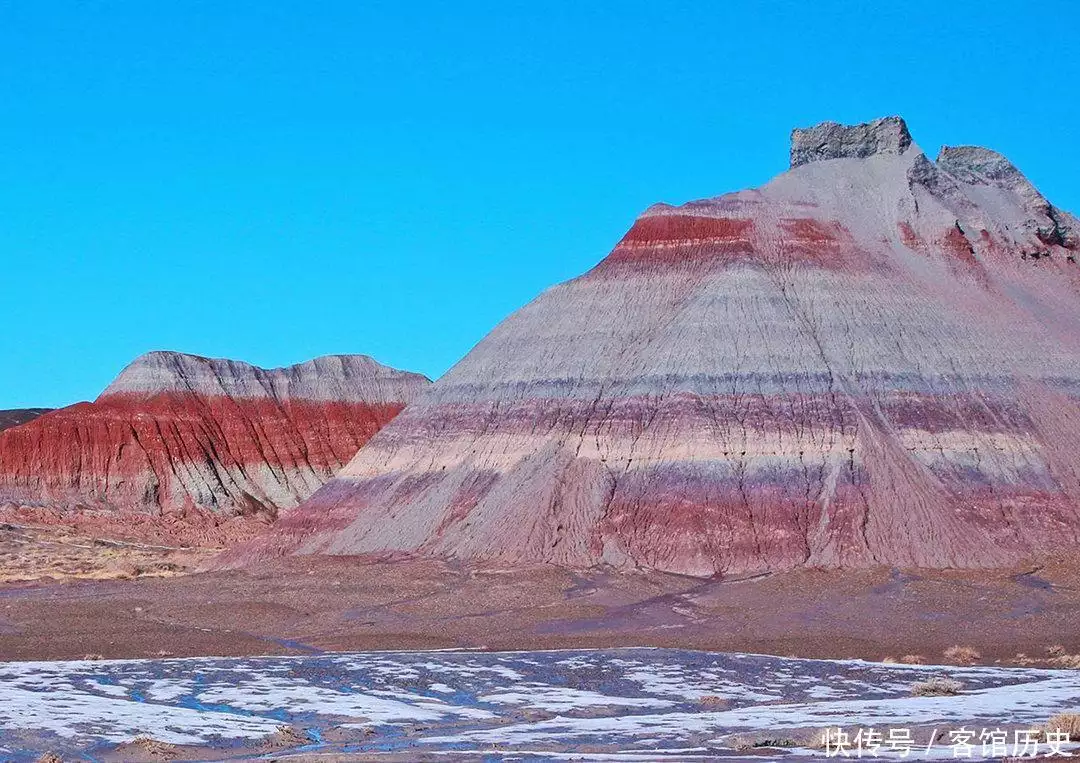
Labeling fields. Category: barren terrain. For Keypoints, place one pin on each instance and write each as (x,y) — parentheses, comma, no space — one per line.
(310,605)
(54,553)
(622,705)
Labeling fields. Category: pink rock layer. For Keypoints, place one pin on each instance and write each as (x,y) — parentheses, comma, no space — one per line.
(874,359)
(187,450)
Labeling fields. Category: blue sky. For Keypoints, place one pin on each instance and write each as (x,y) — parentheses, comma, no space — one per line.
(272,181)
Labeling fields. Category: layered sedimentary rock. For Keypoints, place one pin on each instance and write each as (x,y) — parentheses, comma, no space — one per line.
(188,448)
(871,360)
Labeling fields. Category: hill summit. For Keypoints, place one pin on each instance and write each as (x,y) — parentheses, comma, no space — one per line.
(183,449)
(873,359)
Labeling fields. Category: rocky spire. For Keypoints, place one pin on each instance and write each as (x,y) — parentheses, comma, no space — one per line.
(981,166)
(831,140)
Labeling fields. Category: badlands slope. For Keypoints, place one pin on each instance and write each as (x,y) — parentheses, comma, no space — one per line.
(194,450)
(870,360)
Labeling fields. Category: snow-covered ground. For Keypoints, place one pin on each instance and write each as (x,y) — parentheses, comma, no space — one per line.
(618,704)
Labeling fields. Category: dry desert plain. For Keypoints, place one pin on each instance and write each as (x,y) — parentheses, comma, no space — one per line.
(63,597)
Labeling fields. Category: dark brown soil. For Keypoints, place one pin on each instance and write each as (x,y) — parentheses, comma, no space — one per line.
(12,417)
(336,604)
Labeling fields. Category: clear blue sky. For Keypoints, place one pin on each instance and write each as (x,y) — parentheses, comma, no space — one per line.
(271,181)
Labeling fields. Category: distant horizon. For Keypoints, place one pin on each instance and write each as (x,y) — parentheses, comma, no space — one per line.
(278,183)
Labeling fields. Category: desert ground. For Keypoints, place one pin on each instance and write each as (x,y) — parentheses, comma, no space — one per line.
(118,650)
(66,597)
(58,553)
